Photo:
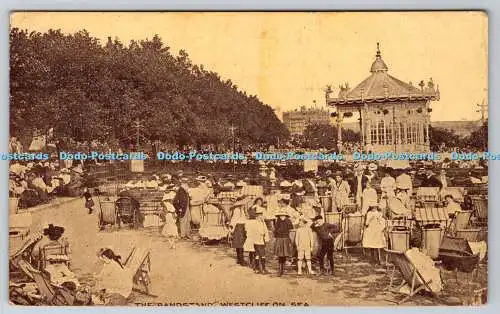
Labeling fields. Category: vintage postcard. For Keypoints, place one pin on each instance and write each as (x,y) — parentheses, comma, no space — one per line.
(248,158)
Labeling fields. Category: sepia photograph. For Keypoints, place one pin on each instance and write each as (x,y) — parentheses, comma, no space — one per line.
(215,159)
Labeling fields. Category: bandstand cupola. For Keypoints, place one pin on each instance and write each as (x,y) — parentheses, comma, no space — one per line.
(394,115)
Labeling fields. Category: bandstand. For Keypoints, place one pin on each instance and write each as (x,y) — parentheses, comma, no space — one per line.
(394,115)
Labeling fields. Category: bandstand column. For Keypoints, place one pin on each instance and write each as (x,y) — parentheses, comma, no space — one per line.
(339,133)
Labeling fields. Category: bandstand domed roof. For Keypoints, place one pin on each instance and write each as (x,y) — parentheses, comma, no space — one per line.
(381,87)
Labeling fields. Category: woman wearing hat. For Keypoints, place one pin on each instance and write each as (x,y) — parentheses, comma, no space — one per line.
(370,198)
(283,244)
(340,191)
(170,227)
(52,236)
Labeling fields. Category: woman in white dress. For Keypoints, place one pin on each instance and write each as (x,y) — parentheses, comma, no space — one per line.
(369,199)
(374,236)
(341,191)
(114,281)
(170,227)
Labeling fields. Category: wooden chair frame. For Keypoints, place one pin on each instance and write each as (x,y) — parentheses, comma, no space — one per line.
(410,274)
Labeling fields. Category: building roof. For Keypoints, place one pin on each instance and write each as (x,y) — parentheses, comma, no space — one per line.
(382,87)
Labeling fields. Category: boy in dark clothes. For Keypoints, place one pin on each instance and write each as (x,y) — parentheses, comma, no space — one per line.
(326,237)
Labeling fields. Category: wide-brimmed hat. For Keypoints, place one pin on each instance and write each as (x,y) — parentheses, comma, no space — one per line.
(339,174)
(372,166)
(228,184)
(53,230)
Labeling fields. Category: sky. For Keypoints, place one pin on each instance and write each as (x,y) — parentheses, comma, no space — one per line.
(287,59)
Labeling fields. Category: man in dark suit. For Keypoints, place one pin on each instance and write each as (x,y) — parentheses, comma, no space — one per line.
(358,184)
(430,180)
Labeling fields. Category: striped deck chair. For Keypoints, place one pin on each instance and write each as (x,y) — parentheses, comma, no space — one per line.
(139,263)
(411,276)
(352,231)
(480,208)
(434,215)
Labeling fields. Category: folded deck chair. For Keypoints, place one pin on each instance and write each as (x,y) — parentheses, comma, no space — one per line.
(411,276)
(24,253)
(51,294)
(139,263)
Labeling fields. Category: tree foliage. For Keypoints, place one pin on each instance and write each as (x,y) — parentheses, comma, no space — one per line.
(325,136)
(478,139)
(440,137)
(86,91)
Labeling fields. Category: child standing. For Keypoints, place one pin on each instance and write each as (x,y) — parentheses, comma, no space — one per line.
(248,246)
(373,236)
(89,202)
(258,235)
(325,233)
(304,241)
(237,225)
(170,227)
(283,245)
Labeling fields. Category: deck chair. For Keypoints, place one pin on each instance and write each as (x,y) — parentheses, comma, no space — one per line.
(139,263)
(352,231)
(480,208)
(462,219)
(107,214)
(51,294)
(435,215)
(212,226)
(410,274)
(24,253)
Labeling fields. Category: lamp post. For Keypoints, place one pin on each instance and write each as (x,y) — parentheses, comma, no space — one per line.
(137,125)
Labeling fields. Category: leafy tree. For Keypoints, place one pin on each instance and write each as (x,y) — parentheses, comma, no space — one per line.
(440,137)
(478,139)
(89,90)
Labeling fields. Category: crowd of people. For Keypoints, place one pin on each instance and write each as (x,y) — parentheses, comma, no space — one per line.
(36,182)
(264,216)
(291,215)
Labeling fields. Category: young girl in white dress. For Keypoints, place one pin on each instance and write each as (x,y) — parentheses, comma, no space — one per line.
(374,236)
(170,228)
